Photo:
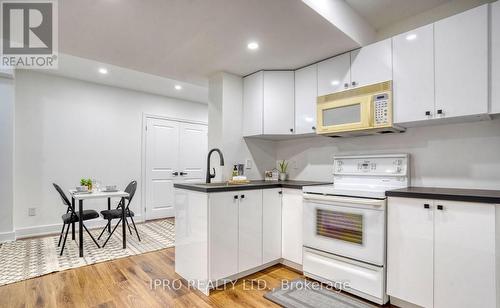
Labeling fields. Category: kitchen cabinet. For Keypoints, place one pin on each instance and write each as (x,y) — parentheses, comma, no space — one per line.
(253,108)
(461,63)
(223,235)
(410,250)
(495,57)
(268,103)
(271,225)
(371,64)
(279,100)
(249,229)
(442,254)
(334,74)
(291,231)
(413,83)
(464,254)
(306,93)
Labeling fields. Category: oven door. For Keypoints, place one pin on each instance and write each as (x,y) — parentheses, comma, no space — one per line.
(344,115)
(345,226)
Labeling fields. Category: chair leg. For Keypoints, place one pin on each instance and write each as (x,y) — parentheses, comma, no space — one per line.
(109,221)
(91,236)
(60,236)
(137,232)
(64,242)
(129,230)
(111,233)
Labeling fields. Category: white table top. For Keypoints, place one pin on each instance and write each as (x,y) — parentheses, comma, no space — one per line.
(97,194)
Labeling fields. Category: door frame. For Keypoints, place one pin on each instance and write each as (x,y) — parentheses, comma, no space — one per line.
(145,117)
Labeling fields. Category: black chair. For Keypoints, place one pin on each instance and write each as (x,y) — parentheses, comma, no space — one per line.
(72,217)
(109,215)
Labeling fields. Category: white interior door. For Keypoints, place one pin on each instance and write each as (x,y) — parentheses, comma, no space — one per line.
(162,160)
(193,148)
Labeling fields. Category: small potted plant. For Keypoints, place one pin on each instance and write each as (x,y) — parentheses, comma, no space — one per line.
(283,167)
(86,182)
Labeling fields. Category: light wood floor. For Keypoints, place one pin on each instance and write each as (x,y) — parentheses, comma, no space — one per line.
(127,283)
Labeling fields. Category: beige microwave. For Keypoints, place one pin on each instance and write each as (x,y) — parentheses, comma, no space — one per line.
(360,111)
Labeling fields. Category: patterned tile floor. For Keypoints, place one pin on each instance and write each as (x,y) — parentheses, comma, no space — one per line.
(24,259)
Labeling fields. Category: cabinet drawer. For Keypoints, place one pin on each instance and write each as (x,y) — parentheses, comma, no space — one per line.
(362,278)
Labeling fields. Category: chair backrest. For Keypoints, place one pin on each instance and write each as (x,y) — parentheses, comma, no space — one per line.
(65,199)
(130,189)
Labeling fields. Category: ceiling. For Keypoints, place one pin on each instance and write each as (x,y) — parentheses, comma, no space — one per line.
(381,13)
(189,40)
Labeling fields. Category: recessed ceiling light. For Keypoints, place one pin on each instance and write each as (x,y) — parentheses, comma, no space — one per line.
(103,70)
(411,37)
(178,87)
(335,82)
(253,45)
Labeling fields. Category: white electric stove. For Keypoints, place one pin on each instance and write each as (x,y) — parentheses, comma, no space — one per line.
(345,223)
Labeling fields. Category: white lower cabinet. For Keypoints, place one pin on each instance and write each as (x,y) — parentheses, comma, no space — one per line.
(249,229)
(291,231)
(441,253)
(271,225)
(223,235)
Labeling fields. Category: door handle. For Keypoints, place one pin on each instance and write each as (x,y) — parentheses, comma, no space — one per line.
(440,207)
(353,83)
(427,206)
(175,173)
(346,85)
(242,196)
(183,173)
(235,197)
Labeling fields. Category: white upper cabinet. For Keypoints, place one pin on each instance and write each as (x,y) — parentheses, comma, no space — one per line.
(413,70)
(495,57)
(253,94)
(279,114)
(306,93)
(371,64)
(461,59)
(334,74)
(268,103)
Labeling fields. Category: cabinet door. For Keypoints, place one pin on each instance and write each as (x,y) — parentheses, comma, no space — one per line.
(371,64)
(253,94)
(495,57)
(250,229)
(223,235)
(410,232)
(292,225)
(279,99)
(306,94)
(464,255)
(461,55)
(334,74)
(413,82)
(271,225)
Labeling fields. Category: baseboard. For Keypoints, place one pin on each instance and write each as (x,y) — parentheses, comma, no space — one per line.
(7,236)
(401,303)
(56,228)
(292,265)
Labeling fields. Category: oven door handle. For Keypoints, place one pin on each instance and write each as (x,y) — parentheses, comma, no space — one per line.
(338,199)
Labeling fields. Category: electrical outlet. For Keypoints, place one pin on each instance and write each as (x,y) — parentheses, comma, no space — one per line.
(32,211)
(248,164)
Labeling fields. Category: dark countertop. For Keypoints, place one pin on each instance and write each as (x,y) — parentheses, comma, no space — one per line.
(220,187)
(453,194)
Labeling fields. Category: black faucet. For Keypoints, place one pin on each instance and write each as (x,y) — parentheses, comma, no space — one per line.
(210,175)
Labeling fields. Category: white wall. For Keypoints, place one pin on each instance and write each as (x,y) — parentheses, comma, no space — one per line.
(465,155)
(67,129)
(225,130)
(6,157)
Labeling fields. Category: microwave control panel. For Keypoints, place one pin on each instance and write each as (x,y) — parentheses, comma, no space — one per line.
(381,109)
